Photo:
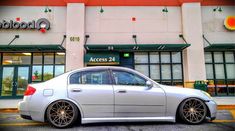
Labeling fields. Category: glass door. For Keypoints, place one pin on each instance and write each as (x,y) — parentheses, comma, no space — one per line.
(14,81)
(22,80)
(7,81)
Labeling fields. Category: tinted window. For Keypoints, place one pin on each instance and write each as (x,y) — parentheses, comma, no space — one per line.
(75,78)
(90,77)
(127,78)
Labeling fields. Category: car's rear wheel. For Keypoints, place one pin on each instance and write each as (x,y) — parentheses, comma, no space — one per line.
(62,113)
(193,111)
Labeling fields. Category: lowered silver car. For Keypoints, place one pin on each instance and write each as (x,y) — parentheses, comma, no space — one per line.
(112,94)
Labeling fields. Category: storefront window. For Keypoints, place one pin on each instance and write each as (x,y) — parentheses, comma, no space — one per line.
(154,57)
(141,57)
(143,69)
(165,57)
(176,57)
(37,73)
(48,58)
(209,71)
(155,72)
(37,58)
(16,58)
(220,72)
(59,69)
(59,58)
(230,68)
(177,71)
(50,68)
(229,57)
(48,72)
(163,67)
(218,57)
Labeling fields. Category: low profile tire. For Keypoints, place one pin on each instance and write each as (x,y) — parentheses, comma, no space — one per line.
(62,114)
(193,111)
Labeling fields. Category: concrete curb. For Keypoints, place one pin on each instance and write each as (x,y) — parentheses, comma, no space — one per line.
(219,107)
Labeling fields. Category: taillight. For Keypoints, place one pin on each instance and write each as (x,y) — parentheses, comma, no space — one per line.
(29,91)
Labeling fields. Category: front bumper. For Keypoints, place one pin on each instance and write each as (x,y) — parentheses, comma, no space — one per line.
(212,106)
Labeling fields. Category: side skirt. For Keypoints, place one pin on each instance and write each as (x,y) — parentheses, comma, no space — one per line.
(128,119)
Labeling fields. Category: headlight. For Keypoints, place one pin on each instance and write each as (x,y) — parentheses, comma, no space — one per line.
(207,94)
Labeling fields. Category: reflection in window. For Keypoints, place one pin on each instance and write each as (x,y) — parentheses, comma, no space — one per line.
(37,73)
(48,58)
(126,78)
(48,72)
(16,58)
(37,58)
(219,71)
(59,58)
(59,69)
(208,57)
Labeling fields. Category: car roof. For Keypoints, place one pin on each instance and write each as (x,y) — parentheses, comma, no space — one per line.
(101,67)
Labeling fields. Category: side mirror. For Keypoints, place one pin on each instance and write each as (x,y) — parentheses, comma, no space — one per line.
(149,84)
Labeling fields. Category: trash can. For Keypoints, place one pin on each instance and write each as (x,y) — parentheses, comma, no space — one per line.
(200,85)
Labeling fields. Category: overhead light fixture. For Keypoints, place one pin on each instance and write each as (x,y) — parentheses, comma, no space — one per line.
(218,8)
(28,54)
(60,53)
(165,10)
(47,9)
(101,10)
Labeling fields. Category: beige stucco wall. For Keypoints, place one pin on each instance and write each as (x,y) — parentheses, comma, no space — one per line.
(115,25)
(57,19)
(213,24)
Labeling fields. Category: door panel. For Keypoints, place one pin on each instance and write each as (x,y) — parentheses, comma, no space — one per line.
(7,81)
(94,93)
(134,99)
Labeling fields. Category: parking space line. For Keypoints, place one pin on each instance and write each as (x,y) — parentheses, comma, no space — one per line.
(223,121)
(23,124)
(233,113)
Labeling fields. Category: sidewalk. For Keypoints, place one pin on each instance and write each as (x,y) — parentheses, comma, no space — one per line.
(221,101)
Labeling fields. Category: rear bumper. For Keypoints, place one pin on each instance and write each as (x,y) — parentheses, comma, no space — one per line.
(213,109)
(23,109)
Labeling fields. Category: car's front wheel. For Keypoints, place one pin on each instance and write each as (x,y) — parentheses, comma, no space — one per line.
(193,111)
(62,114)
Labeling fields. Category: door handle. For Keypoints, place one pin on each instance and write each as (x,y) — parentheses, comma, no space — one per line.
(121,91)
(76,90)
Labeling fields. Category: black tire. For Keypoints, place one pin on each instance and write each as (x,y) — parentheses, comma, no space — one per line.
(62,114)
(193,111)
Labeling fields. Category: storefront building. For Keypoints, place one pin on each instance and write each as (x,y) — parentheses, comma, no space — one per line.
(174,42)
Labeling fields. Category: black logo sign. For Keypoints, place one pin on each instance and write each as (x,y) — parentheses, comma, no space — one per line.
(42,23)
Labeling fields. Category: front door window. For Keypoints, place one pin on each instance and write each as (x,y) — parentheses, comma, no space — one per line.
(14,80)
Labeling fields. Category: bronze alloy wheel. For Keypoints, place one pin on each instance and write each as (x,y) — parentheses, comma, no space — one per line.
(193,111)
(62,114)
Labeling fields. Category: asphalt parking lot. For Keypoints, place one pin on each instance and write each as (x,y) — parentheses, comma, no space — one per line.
(225,122)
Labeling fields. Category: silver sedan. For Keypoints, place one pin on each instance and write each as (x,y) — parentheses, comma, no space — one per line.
(112,94)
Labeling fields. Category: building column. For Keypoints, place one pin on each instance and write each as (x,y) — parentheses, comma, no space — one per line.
(194,63)
(75,31)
